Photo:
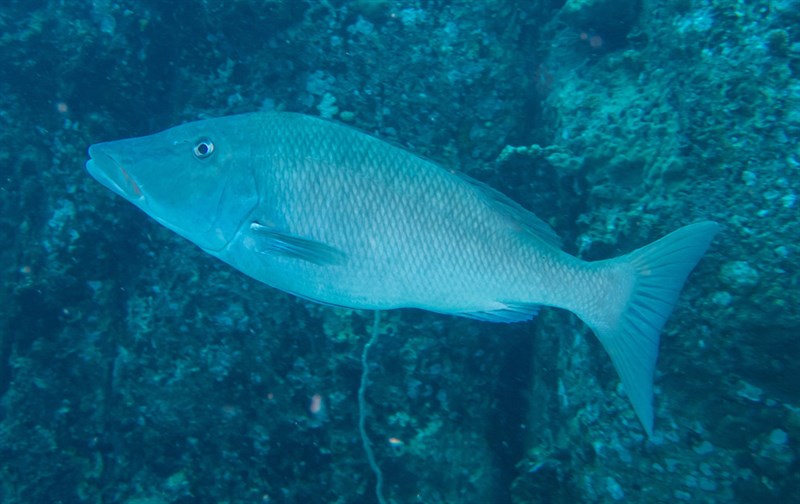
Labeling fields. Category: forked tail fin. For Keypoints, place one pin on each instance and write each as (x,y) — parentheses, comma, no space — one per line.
(653,277)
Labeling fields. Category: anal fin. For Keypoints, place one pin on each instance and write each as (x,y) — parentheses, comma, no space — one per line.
(508,313)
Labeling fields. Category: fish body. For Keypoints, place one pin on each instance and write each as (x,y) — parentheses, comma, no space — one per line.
(334,215)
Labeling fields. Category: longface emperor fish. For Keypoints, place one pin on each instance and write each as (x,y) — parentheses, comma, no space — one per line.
(335,215)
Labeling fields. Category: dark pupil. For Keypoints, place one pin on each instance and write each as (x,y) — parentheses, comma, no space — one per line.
(202,149)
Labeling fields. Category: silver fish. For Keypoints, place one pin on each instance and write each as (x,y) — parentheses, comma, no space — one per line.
(334,215)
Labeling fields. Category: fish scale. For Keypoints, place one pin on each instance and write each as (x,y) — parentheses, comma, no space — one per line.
(335,215)
(365,198)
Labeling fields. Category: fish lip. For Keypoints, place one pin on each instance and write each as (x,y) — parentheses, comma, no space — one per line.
(107,170)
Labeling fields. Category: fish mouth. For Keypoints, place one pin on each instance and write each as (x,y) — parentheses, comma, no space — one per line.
(111,173)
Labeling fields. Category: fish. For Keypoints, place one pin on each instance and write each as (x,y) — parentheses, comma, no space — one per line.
(335,215)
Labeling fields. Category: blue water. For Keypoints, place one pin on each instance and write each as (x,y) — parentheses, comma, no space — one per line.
(136,369)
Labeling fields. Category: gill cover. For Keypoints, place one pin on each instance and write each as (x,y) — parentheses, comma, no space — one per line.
(196,179)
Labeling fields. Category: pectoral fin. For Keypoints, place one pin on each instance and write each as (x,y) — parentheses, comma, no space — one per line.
(270,241)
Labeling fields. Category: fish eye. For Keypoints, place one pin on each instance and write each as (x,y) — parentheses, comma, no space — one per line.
(203,148)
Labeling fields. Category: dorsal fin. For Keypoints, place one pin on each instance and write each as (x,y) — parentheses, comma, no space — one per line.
(525,218)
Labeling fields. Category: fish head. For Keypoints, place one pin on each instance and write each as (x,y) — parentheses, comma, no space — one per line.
(197,179)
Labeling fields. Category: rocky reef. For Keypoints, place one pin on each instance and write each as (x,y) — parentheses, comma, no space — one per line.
(136,369)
